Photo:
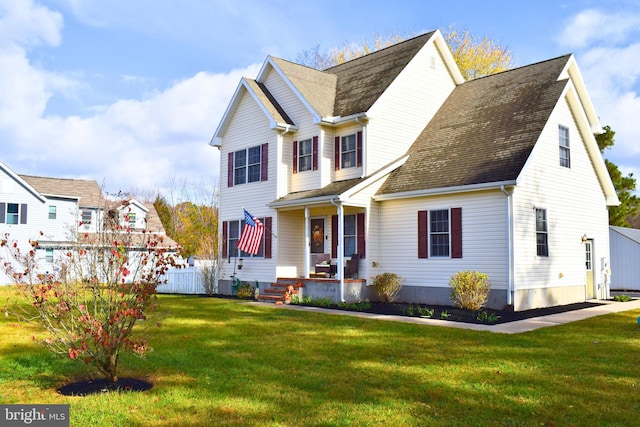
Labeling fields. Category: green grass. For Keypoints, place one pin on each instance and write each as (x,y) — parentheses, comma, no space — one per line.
(224,362)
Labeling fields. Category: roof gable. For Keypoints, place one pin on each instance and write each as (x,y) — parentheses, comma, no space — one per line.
(21,181)
(264,99)
(484,132)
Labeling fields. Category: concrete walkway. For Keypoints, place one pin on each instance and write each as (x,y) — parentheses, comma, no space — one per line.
(504,328)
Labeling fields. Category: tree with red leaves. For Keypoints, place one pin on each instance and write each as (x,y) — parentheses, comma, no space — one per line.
(98,302)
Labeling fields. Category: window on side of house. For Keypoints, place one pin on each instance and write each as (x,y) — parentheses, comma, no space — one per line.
(542,237)
(565,153)
(13,213)
(48,255)
(86,216)
(305,155)
(348,147)
(52,212)
(439,233)
(132,219)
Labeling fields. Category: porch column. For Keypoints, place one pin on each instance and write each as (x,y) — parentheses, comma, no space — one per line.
(340,262)
(307,242)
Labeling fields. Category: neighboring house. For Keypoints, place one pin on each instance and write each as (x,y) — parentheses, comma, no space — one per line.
(59,212)
(395,158)
(625,253)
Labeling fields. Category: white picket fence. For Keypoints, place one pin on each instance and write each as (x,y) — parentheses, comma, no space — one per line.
(188,280)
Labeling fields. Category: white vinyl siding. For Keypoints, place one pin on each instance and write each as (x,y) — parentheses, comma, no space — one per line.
(407,105)
(483,230)
(575,206)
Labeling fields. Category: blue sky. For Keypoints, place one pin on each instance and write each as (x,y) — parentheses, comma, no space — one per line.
(129,92)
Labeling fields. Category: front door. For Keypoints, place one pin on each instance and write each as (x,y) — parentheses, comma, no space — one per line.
(588,253)
(317,235)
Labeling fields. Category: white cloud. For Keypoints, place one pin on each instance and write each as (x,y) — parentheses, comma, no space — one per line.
(608,53)
(131,143)
(593,26)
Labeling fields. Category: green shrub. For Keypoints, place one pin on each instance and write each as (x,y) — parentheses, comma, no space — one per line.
(469,289)
(245,290)
(622,298)
(386,286)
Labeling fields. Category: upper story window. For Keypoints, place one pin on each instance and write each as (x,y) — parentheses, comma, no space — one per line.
(565,153)
(305,155)
(52,212)
(13,213)
(248,165)
(348,151)
(542,243)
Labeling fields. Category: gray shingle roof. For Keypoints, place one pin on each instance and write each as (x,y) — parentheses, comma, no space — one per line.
(334,189)
(87,191)
(361,81)
(484,132)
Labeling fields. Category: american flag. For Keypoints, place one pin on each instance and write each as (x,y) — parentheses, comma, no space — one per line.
(251,236)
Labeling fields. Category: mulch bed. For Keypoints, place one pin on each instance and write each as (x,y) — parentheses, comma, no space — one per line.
(454,314)
(84,388)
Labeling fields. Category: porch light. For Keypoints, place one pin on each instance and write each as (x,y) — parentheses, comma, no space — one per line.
(240,263)
(584,238)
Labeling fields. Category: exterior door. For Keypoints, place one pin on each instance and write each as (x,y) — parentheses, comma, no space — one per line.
(588,254)
(317,236)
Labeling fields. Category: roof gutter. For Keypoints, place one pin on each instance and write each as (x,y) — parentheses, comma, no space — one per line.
(337,120)
(445,190)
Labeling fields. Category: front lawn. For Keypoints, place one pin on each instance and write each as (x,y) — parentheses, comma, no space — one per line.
(225,362)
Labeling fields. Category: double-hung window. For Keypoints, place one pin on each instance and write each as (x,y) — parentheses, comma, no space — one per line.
(48,255)
(350,235)
(86,217)
(305,155)
(13,213)
(348,146)
(248,165)
(52,212)
(233,235)
(132,219)
(439,232)
(542,236)
(565,153)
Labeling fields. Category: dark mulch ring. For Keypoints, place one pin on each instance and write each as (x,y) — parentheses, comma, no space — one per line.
(84,388)
(450,313)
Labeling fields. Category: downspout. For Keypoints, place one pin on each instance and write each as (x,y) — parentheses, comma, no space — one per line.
(340,262)
(509,245)
(364,147)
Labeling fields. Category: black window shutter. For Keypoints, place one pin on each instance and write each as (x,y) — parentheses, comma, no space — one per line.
(295,156)
(423,235)
(264,173)
(456,232)
(230,170)
(314,156)
(336,153)
(23,213)
(267,237)
(360,230)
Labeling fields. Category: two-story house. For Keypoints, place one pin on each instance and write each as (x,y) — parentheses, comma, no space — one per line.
(59,213)
(395,161)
